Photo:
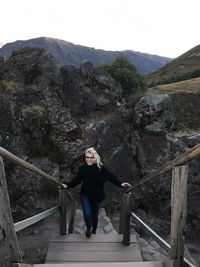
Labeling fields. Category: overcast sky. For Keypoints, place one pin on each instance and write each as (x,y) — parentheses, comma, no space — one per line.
(160,27)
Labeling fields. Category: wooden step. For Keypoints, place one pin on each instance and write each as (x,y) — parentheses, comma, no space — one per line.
(103,264)
(98,238)
(91,256)
(98,248)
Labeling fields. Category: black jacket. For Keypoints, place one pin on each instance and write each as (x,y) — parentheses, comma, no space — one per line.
(93,179)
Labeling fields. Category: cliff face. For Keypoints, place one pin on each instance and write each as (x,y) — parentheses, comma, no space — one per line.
(49,116)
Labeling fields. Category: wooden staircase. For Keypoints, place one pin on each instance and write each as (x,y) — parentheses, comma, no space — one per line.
(101,250)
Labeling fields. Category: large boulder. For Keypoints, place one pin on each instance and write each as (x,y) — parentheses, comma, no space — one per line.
(111,137)
(154,113)
(89,93)
(86,68)
(31,65)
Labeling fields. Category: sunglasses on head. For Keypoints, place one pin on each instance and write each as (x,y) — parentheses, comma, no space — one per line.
(89,157)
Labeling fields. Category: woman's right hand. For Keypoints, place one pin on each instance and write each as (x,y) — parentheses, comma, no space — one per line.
(63,186)
(125,184)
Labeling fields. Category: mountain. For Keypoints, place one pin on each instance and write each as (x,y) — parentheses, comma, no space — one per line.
(67,53)
(1,44)
(184,67)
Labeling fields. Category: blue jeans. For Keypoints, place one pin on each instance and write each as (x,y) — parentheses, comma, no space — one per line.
(90,212)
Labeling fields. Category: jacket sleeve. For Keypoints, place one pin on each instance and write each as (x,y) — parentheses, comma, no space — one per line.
(76,180)
(111,177)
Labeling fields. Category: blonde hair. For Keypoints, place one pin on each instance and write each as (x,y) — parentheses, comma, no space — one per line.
(92,151)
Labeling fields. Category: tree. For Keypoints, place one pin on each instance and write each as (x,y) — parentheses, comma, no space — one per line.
(127,75)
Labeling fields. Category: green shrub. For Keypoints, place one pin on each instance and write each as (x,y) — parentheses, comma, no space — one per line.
(127,75)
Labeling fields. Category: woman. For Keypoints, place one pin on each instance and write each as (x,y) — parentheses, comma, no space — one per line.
(93,176)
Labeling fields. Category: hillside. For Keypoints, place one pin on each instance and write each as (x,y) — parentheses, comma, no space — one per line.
(67,53)
(185,64)
(188,86)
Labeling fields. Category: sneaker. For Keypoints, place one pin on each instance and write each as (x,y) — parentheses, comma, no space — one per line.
(94,232)
(88,233)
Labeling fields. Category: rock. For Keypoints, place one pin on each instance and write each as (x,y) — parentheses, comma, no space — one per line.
(148,249)
(108,135)
(78,230)
(155,113)
(104,224)
(154,244)
(110,86)
(108,228)
(86,68)
(147,257)
(192,139)
(30,190)
(142,242)
(158,256)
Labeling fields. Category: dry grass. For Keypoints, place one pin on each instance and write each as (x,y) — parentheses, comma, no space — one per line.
(9,87)
(188,86)
(33,109)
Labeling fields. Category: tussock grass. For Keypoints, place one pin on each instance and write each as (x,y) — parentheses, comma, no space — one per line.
(9,87)
(33,109)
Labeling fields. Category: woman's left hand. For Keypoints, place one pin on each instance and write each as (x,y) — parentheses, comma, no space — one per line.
(125,184)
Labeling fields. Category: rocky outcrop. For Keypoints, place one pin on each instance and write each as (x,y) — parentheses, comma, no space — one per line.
(155,114)
(155,197)
(49,116)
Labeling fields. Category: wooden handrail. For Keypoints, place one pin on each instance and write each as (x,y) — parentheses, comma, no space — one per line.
(155,236)
(181,160)
(36,218)
(9,156)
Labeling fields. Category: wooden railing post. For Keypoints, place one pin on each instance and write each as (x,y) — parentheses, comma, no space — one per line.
(6,220)
(63,211)
(126,215)
(122,214)
(178,213)
(71,218)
